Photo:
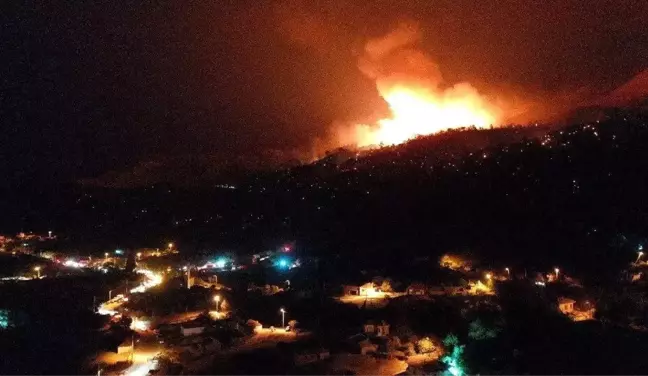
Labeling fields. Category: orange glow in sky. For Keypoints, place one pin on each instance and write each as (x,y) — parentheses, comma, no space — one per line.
(419,100)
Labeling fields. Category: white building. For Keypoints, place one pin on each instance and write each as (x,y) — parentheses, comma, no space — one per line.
(191,329)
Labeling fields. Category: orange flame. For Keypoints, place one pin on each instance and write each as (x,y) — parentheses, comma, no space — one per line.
(408,80)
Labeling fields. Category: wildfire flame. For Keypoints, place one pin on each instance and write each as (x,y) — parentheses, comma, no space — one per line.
(409,81)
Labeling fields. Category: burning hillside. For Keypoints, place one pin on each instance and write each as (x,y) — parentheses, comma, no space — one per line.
(419,101)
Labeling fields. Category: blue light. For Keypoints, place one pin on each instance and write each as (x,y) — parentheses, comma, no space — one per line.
(119,251)
(283,263)
(220,263)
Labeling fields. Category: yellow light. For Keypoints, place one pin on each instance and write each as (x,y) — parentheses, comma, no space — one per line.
(139,325)
(106,254)
(488,276)
(217,298)
(37,268)
(170,245)
(139,254)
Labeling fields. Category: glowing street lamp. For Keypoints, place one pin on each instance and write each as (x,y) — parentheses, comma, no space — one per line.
(639,254)
(508,271)
(488,276)
(283,317)
(170,245)
(557,273)
(217,299)
(37,270)
(139,255)
(106,255)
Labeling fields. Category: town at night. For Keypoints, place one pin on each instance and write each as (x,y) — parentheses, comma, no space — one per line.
(324,188)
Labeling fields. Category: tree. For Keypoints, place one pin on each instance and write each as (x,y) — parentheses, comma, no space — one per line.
(130,262)
(478,330)
(5,321)
(386,286)
(403,331)
(253,324)
(454,360)
(292,324)
(425,345)
(451,340)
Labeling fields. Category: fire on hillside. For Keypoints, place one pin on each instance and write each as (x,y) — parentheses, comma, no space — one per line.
(419,102)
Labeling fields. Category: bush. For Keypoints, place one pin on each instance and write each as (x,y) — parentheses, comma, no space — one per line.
(425,345)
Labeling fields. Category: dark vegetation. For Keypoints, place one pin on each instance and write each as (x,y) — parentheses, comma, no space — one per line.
(517,195)
(56,328)
(525,198)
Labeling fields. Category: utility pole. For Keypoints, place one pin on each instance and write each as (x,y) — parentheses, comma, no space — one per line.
(132,357)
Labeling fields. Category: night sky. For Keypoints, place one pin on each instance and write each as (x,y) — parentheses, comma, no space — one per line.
(89,87)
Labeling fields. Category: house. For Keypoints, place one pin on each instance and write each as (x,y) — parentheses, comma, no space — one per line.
(125,347)
(585,311)
(416,289)
(360,343)
(198,346)
(577,311)
(323,354)
(378,329)
(437,290)
(367,347)
(566,305)
(191,329)
(368,289)
(351,289)
(304,358)
(311,356)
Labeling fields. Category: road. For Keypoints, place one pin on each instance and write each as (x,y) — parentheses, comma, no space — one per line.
(147,348)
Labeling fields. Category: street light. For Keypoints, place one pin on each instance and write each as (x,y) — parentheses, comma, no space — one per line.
(639,254)
(283,317)
(110,294)
(37,270)
(488,276)
(106,255)
(139,255)
(217,300)
(557,273)
(170,245)
(508,271)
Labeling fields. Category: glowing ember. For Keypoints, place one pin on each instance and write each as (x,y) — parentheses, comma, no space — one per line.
(411,84)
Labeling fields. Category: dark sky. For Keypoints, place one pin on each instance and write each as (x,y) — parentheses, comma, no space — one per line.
(92,86)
